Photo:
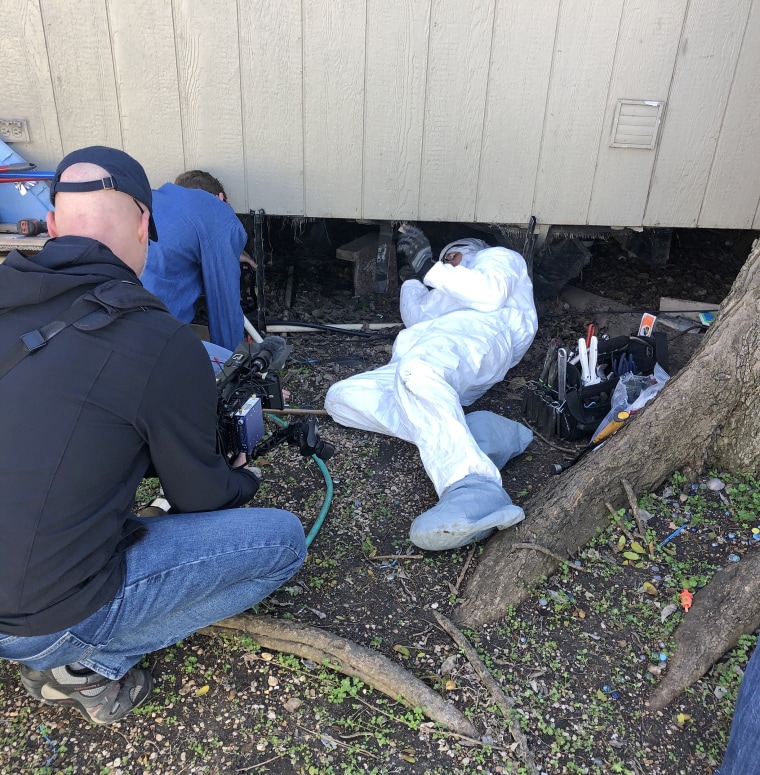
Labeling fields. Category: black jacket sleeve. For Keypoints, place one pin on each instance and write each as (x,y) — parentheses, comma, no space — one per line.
(178,419)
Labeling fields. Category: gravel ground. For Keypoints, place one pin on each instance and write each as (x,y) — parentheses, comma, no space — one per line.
(579,658)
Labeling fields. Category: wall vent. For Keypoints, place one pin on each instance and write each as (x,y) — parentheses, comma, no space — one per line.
(636,123)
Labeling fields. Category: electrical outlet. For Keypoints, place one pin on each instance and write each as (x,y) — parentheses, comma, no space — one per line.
(14,130)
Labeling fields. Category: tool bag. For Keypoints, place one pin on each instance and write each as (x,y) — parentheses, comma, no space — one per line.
(585,406)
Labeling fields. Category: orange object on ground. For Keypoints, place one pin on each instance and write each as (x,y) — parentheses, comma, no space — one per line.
(686,599)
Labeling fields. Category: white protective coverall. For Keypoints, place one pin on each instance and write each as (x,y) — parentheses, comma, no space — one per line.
(463,333)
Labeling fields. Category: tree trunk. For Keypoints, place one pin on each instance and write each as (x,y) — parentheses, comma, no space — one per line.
(708,415)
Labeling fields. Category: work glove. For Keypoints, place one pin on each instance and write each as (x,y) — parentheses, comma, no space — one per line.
(414,246)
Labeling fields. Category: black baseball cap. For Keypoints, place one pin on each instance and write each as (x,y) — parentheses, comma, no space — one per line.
(127,176)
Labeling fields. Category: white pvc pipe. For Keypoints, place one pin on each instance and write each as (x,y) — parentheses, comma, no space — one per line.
(255,335)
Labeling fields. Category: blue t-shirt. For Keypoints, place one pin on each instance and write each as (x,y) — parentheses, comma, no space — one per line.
(200,240)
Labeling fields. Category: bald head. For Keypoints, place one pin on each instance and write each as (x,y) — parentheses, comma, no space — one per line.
(111,217)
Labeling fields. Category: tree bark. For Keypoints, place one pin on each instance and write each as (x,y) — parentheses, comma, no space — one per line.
(727,608)
(708,415)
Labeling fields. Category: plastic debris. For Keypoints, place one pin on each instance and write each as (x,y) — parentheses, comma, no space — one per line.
(733,558)
(686,599)
(673,535)
(715,484)
(50,742)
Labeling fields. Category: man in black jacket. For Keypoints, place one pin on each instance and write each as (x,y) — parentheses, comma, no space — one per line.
(98,381)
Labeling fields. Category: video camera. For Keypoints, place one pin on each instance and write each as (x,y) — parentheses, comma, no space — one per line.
(246,385)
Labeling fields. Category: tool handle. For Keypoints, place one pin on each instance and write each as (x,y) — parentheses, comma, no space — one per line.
(561,374)
(583,353)
(31,227)
(551,355)
(19,166)
(593,379)
(613,426)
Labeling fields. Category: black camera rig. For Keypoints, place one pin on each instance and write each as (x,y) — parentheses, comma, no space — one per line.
(246,385)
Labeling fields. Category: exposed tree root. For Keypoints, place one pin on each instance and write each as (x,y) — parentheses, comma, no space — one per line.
(505,703)
(727,608)
(351,659)
(707,415)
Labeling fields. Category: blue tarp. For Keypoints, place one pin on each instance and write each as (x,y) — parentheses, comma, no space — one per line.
(14,206)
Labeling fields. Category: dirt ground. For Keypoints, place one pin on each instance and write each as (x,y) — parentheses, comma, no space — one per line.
(579,658)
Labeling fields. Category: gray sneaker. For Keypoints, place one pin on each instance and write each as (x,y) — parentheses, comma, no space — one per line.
(97,698)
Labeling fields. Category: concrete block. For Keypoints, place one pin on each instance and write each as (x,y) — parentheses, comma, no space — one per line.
(363,254)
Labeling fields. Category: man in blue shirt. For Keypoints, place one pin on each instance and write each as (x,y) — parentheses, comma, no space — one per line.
(201,248)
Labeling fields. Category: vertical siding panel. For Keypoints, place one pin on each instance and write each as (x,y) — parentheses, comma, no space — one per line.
(397,45)
(457,80)
(583,57)
(703,74)
(145,64)
(334,53)
(644,61)
(208,67)
(26,88)
(271,60)
(733,190)
(521,58)
(81,65)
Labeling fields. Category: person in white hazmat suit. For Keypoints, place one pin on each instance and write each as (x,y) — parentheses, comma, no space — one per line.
(469,318)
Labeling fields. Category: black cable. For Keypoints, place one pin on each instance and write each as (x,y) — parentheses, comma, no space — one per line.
(588,312)
(327,327)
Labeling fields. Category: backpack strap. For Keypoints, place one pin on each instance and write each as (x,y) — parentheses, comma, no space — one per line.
(92,310)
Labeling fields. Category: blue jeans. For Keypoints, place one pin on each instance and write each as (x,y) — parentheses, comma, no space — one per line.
(189,571)
(743,752)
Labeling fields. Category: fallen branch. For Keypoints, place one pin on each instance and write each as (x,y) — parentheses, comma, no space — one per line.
(550,553)
(351,659)
(558,447)
(455,588)
(502,701)
(619,522)
(634,508)
(317,412)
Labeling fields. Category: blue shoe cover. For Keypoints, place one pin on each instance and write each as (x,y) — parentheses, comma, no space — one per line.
(468,511)
(499,437)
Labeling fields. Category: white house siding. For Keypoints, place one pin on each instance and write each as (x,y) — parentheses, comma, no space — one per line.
(451,110)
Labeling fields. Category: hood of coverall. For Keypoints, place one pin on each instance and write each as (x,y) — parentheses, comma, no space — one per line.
(468,247)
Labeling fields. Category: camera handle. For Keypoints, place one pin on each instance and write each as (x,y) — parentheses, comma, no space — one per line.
(303,434)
